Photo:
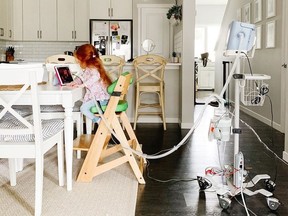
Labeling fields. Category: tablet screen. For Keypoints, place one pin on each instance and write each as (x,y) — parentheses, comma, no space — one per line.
(63,74)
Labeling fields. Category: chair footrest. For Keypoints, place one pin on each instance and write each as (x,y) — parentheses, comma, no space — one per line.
(149,105)
(150,113)
(83,142)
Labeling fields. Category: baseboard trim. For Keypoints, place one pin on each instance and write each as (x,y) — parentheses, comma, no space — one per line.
(186,125)
(260,118)
(285,156)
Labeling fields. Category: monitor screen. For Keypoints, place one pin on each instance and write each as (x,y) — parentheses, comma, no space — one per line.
(241,37)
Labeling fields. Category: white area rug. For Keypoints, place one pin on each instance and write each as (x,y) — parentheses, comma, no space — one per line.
(113,193)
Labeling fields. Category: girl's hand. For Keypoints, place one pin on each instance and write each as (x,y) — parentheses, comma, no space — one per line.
(72,84)
(75,85)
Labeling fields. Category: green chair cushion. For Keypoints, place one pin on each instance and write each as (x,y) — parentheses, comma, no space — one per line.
(121,107)
(122,104)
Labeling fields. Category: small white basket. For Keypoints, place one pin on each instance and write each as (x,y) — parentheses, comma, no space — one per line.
(253,89)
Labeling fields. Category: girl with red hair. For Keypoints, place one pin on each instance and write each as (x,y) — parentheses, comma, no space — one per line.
(94,79)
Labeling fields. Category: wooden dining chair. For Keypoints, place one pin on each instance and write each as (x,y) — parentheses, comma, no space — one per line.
(149,72)
(97,145)
(22,138)
(113,65)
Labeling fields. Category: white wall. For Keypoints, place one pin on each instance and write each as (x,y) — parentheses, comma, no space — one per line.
(265,61)
(187,72)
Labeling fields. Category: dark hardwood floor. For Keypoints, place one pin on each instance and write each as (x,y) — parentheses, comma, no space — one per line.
(189,161)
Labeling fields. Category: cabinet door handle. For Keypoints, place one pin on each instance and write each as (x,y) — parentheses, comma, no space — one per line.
(2,32)
(75,36)
(10,35)
(111,12)
(40,34)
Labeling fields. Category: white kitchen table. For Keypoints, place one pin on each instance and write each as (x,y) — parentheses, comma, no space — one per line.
(57,95)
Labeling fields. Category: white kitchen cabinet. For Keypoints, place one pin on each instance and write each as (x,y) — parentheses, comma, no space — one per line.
(206,76)
(11,19)
(73,20)
(40,20)
(111,9)
(3,18)
(14,20)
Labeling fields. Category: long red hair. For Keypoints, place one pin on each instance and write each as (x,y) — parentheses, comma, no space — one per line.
(88,56)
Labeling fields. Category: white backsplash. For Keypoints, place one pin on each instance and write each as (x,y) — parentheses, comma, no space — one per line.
(37,51)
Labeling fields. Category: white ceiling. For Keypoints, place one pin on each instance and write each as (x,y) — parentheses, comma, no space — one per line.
(211,2)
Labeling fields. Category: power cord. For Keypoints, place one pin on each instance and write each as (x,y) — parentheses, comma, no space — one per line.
(167,180)
(243,206)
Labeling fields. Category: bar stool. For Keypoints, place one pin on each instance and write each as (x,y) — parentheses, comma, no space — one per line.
(149,71)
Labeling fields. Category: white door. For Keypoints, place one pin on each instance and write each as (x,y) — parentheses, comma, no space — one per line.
(154,25)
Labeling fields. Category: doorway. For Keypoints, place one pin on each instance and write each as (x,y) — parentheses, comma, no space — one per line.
(206,30)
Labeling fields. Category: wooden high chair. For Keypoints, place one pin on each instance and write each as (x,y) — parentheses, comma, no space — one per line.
(97,146)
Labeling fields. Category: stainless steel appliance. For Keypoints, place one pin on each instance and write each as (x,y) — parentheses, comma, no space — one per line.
(112,37)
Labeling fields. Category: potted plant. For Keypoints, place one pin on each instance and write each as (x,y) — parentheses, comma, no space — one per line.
(175,59)
(174,14)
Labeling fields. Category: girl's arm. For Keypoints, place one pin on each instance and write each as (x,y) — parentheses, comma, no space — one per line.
(76,83)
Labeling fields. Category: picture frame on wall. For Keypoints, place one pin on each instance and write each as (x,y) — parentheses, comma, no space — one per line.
(270,8)
(270,34)
(257,11)
(258,37)
(246,13)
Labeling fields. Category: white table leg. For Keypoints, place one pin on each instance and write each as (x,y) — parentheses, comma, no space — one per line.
(68,129)
(19,164)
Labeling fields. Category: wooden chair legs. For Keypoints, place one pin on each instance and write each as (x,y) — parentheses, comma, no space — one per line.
(99,150)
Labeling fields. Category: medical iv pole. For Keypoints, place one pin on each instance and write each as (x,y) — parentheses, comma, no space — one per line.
(239,161)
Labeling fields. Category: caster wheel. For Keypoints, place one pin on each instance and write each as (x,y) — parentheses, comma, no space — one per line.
(269,185)
(224,202)
(273,203)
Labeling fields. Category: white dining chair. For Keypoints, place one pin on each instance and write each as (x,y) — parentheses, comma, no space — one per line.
(22,138)
(57,111)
